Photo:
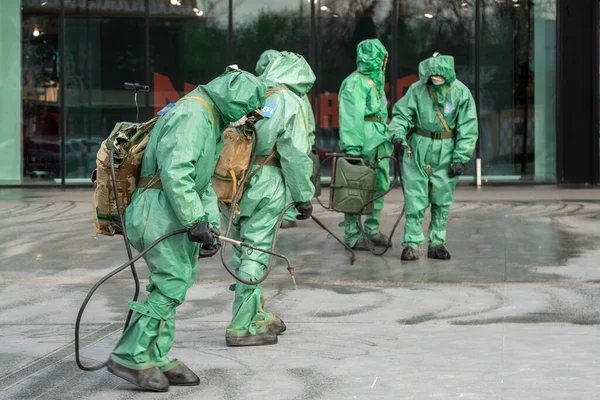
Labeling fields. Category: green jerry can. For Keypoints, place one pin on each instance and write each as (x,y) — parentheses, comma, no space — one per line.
(352,187)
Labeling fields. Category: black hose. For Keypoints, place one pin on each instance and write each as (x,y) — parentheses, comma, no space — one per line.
(136,279)
(130,263)
(133,259)
(98,284)
(233,206)
(398,180)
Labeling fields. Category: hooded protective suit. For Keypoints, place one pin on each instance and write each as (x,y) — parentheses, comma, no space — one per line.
(184,147)
(264,198)
(363,129)
(425,173)
(264,60)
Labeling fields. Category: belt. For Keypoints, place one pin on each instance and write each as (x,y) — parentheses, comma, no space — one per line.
(143,181)
(434,135)
(373,118)
(260,160)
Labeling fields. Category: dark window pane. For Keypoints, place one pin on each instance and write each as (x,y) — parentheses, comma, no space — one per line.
(188,47)
(443,26)
(41,137)
(518,90)
(101,54)
(259,26)
(112,8)
(341,26)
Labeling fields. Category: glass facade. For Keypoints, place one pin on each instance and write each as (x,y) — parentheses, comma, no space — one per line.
(52,125)
(518,90)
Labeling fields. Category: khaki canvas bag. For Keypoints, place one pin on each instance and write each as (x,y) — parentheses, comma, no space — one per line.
(129,141)
(233,163)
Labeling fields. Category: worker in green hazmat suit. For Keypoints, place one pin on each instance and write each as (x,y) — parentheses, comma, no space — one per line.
(282,160)
(289,219)
(363,133)
(182,150)
(442,112)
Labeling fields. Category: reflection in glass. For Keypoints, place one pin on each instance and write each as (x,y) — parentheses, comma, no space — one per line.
(341,25)
(101,54)
(518,90)
(41,6)
(105,7)
(41,138)
(187,47)
(444,26)
(259,26)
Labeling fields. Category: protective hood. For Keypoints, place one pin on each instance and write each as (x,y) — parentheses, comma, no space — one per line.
(370,55)
(291,70)
(236,93)
(264,60)
(439,65)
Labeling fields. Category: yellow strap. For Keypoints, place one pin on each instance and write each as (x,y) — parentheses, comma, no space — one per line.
(371,82)
(235,184)
(275,89)
(439,113)
(204,103)
(375,89)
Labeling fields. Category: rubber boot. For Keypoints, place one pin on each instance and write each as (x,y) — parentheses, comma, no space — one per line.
(260,339)
(288,224)
(380,240)
(150,378)
(439,252)
(410,254)
(276,324)
(180,375)
(361,245)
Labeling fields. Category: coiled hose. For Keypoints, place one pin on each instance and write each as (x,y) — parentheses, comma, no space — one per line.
(133,259)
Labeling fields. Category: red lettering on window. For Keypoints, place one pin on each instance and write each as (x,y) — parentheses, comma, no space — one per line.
(164,92)
(404,83)
(329,111)
(188,87)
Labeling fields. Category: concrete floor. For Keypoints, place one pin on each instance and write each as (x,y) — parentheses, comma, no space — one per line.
(514,315)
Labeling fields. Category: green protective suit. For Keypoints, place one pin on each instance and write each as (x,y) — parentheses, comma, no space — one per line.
(264,60)
(361,97)
(183,148)
(265,198)
(425,173)
(307,111)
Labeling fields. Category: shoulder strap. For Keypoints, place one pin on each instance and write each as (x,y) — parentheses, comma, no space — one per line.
(156,178)
(371,82)
(439,113)
(275,89)
(267,159)
(153,181)
(205,104)
(376,91)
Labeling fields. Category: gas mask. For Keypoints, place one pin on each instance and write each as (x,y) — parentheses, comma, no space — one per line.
(437,80)
(239,122)
(246,124)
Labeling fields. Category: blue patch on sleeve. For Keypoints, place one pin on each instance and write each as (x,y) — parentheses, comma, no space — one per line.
(167,108)
(384,99)
(269,109)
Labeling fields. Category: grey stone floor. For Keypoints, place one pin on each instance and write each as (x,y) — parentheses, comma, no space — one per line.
(514,315)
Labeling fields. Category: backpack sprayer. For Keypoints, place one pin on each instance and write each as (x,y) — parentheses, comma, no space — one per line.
(136,87)
(353,188)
